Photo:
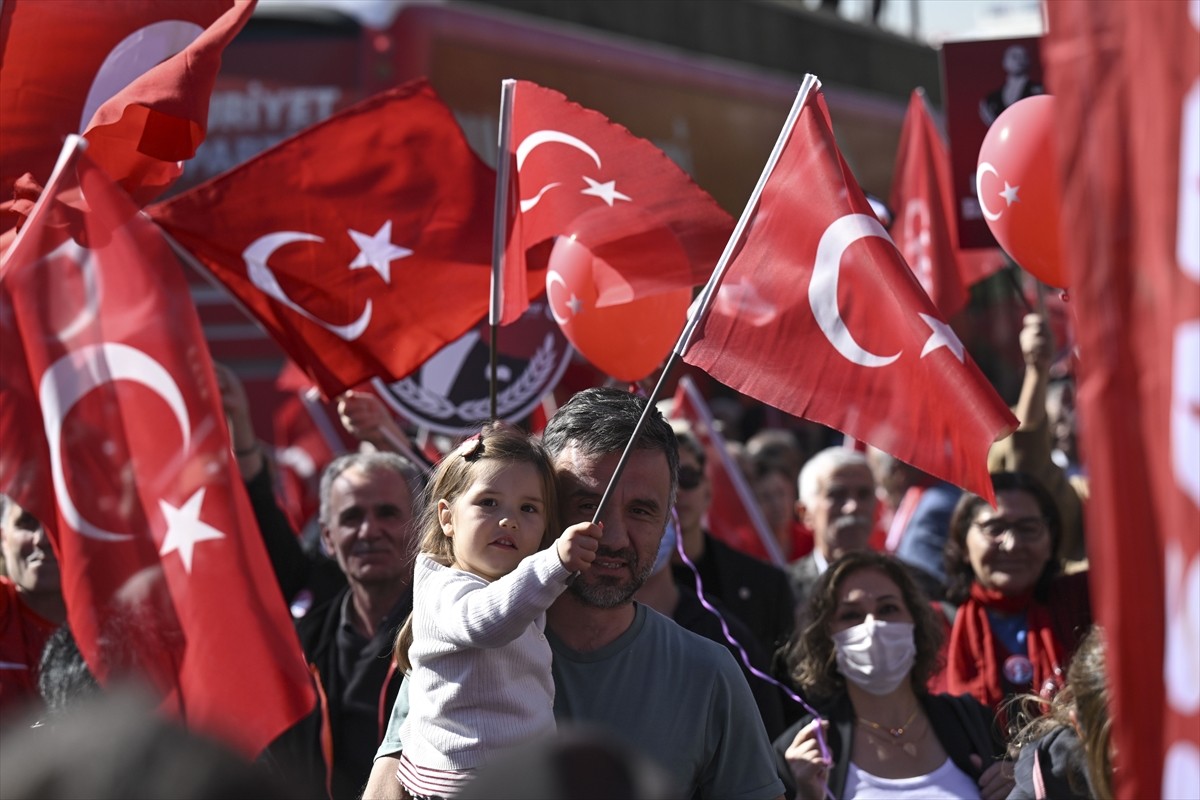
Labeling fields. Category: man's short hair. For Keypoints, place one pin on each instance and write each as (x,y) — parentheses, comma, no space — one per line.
(369,463)
(602,420)
(824,463)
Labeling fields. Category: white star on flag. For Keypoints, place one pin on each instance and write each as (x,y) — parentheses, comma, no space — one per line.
(943,336)
(605,191)
(1010,193)
(377,251)
(184,528)
(574,304)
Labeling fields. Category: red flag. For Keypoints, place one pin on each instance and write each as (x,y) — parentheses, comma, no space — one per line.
(923,202)
(362,244)
(819,316)
(1126,77)
(115,439)
(577,174)
(733,515)
(75,65)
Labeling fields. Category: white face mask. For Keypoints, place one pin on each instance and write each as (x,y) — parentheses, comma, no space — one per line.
(876,655)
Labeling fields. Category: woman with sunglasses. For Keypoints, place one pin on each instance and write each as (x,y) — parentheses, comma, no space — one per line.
(1020,619)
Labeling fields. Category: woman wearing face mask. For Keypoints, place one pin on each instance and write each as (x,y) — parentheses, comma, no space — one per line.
(1019,620)
(863,658)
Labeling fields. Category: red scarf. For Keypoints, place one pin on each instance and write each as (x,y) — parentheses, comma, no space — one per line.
(975,661)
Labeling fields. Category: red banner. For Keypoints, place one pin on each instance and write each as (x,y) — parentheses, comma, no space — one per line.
(1127,79)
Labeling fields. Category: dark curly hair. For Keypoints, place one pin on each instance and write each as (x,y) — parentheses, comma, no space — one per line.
(959,573)
(812,658)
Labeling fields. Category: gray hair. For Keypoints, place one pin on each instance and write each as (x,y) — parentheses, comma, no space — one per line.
(369,463)
(822,465)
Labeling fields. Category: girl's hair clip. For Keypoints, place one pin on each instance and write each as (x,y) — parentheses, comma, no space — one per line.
(471,448)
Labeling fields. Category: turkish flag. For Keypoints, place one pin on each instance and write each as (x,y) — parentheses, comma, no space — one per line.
(819,316)
(136,75)
(114,437)
(923,202)
(1126,78)
(362,244)
(574,173)
(734,515)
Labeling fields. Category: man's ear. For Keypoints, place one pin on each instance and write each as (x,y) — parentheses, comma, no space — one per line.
(327,541)
(445,517)
(802,514)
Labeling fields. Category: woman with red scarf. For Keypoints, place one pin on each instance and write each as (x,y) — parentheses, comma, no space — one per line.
(1019,620)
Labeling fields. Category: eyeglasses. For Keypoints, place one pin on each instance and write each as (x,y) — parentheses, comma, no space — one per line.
(690,477)
(1029,529)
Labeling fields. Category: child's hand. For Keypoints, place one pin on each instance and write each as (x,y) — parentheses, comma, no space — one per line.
(578,545)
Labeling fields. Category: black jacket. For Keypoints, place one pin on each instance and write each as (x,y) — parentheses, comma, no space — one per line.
(755,591)
(963,726)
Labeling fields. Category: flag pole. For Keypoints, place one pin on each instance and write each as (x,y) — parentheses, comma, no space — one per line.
(740,487)
(499,229)
(701,304)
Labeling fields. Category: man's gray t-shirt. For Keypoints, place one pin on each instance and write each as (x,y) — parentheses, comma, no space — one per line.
(672,695)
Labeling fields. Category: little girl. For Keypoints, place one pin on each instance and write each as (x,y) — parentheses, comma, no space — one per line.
(477,660)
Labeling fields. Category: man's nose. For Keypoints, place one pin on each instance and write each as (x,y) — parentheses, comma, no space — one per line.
(613,534)
(1007,541)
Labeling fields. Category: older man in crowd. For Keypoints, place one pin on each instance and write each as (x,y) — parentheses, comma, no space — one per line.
(837,503)
(671,694)
(367,508)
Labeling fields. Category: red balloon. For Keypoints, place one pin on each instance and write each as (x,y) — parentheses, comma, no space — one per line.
(1018,187)
(627,341)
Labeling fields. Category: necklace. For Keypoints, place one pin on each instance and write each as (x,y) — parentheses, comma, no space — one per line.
(893,734)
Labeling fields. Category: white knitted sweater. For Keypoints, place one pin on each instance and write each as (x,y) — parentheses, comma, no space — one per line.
(480,679)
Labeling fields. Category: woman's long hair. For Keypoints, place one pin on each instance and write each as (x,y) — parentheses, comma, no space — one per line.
(812,657)
(1083,704)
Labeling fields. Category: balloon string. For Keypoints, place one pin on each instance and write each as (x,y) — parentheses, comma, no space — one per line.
(729,637)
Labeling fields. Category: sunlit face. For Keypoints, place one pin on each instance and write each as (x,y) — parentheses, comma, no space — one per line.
(499,520)
(695,492)
(28,558)
(1008,546)
(868,591)
(634,518)
(843,515)
(370,521)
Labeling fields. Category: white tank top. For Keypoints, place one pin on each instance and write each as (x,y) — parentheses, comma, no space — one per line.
(947,782)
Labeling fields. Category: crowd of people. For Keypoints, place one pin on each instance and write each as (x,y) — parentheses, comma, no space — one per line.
(475,633)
